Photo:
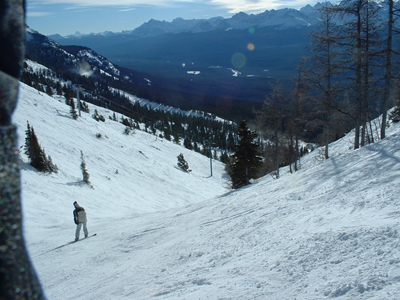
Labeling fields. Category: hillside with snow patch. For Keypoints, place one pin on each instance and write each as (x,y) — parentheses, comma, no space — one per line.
(329,231)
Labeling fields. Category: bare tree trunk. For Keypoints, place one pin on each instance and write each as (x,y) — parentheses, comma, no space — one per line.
(276,154)
(327,140)
(326,65)
(358,77)
(388,69)
(297,154)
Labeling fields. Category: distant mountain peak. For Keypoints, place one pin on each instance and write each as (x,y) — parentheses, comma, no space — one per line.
(284,18)
(51,54)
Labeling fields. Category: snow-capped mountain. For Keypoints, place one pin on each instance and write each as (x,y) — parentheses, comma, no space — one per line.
(279,19)
(77,59)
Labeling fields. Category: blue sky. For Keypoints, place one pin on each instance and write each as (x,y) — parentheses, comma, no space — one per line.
(86,16)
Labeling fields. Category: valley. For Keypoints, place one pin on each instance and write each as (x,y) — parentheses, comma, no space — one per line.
(235,64)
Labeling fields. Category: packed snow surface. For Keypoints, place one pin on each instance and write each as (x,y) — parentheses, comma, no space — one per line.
(329,231)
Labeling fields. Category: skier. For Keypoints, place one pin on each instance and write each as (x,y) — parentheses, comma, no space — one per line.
(80,219)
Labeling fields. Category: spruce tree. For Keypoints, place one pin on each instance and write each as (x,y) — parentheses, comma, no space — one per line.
(36,154)
(28,140)
(246,162)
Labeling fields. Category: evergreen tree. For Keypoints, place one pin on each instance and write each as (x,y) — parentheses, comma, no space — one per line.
(36,154)
(50,166)
(187,143)
(176,138)
(73,111)
(182,163)
(85,107)
(59,88)
(68,94)
(49,91)
(28,140)
(98,117)
(127,130)
(85,173)
(246,162)
(34,151)
(224,158)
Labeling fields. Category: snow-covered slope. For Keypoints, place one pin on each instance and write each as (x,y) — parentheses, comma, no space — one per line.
(330,230)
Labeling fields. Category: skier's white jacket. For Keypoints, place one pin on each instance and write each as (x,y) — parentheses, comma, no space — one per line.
(80,215)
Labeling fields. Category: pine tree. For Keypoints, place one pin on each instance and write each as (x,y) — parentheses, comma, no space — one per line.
(182,163)
(50,166)
(85,173)
(187,143)
(246,162)
(73,111)
(36,154)
(28,140)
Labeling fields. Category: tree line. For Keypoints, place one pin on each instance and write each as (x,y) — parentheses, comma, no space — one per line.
(347,80)
(351,73)
(196,132)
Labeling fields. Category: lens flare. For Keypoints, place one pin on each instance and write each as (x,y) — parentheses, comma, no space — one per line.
(238,60)
(252,30)
(250,46)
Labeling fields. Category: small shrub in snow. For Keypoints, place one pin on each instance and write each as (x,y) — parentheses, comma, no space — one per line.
(394,116)
(182,163)
(128,130)
(98,117)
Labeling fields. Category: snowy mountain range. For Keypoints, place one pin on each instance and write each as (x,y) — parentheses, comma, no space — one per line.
(329,231)
(184,54)
(278,19)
